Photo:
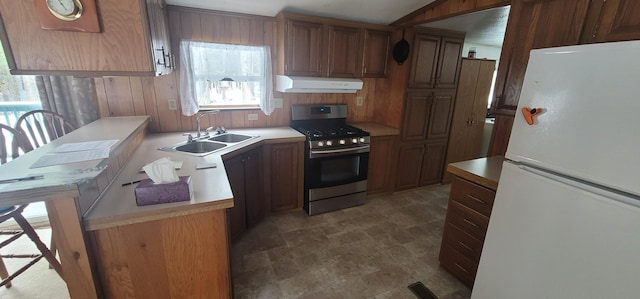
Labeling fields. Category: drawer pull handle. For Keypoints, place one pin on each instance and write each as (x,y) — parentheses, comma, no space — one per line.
(462,268)
(471,223)
(477,199)
(465,245)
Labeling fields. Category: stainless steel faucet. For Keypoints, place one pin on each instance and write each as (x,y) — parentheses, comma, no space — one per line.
(198,120)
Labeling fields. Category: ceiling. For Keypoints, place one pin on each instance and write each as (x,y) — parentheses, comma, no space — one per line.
(485,27)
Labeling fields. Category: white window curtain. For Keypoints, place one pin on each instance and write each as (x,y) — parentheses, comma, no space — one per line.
(208,68)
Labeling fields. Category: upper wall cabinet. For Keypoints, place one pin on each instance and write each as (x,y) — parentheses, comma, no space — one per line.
(533,24)
(612,20)
(376,45)
(435,61)
(133,40)
(321,47)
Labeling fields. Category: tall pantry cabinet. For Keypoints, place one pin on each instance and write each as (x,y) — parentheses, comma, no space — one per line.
(428,106)
(469,112)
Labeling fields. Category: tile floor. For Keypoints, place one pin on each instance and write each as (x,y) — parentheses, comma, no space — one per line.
(371,251)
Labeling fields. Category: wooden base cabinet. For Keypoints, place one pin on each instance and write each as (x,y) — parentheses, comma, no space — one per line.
(420,164)
(245,177)
(382,151)
(178,257)
(284,175)
(465,227)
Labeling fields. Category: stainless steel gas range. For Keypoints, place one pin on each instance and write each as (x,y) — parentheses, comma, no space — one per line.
(336,158)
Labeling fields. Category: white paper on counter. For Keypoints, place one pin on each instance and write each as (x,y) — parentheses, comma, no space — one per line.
(70,157)
(84,146)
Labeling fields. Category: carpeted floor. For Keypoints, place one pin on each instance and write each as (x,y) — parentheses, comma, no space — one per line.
(371,251)
(37,282)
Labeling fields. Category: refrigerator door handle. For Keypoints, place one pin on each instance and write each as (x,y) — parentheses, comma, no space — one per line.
(604,191)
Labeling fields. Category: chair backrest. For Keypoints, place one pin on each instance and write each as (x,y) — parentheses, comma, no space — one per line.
(41,126)
(11,142)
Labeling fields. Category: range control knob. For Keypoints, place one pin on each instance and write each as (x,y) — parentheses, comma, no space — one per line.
(329,143)
(342,141)
(320,143)
(362,139)
(354,140)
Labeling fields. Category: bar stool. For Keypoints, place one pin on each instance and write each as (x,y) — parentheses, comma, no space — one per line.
(11,142)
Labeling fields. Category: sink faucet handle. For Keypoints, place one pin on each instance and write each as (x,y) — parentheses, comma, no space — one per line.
(207,131)
(221,130)
(189,137)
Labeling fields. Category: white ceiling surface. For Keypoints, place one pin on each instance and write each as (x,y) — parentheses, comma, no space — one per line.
(371,11)
(484,27)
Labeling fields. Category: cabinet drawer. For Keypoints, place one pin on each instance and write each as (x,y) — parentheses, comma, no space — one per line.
(458,265)
(462,242)
(469,221)
(473,196)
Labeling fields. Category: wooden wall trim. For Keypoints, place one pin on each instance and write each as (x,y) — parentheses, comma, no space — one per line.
(442,9)
(500,135)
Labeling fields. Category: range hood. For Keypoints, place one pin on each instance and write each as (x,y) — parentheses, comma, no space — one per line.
(317,84)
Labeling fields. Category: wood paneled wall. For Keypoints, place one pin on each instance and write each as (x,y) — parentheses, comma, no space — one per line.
(124,96)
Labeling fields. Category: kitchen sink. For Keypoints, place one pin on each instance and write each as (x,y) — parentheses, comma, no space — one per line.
(230,138)
(209,144)
(200,147)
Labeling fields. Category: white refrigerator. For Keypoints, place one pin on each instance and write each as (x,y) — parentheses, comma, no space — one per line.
(566,218)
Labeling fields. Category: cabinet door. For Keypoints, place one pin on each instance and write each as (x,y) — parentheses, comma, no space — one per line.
(304,48)
(254,191)
(433,163)
(417,110)
(409,166)
(533,24)
(283,180)
(449,62)
(237,215)
(612,20)
(344,51)
(158,25)
(424,61)
(440,114)
(376,53)
(380,155)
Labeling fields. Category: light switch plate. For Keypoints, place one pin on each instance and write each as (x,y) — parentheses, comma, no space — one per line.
(252,116)
(278,103)
(173,104)
(359,101)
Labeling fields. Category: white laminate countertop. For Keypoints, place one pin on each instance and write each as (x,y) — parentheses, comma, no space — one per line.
(210,186)
(377,130)
(64,180)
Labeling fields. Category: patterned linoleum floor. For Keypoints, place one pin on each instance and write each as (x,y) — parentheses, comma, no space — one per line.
(371,251)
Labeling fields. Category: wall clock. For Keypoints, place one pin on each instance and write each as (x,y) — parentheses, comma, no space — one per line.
(68,15)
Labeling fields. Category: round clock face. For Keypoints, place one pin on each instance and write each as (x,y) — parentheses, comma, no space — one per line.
(67,10)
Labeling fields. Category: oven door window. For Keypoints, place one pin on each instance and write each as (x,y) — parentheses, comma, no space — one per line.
(337,170)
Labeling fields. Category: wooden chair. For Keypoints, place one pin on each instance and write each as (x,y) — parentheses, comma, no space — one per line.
(41,126)
(11,142)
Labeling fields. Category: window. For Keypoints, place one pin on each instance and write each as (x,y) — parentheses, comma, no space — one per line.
(18,94)
(223,76)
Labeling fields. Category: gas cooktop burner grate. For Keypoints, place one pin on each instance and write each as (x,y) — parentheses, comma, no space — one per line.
(328,132)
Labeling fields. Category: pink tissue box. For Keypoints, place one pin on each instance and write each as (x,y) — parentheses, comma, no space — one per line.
(148,193)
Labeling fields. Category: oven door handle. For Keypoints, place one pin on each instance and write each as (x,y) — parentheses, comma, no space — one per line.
(344,151)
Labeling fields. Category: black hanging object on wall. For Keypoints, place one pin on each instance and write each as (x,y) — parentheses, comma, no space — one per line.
(401,50)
